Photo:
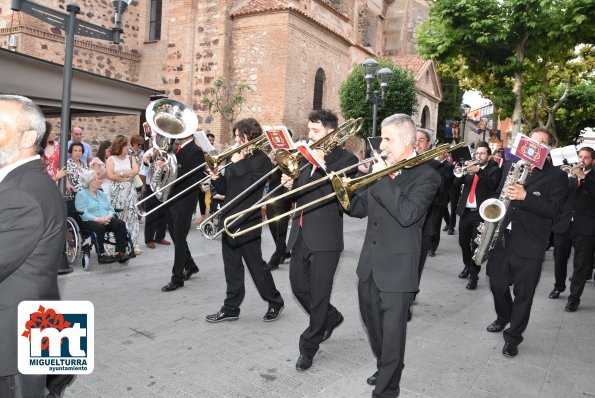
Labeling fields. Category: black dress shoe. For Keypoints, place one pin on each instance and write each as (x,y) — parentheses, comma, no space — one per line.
(328,332)
(432,253)
(272,265)
(496,327)
(272,314)
(472,285)
(509,350)
(571,306)
(465,273)
(554,294)
(106,259)
(220,317)
(171,286)
(372,379)
(445,228)
(409,315)
(304,362)
(451,231)
(189,272)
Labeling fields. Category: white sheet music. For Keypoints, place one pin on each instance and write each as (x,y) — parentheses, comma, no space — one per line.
(567,153)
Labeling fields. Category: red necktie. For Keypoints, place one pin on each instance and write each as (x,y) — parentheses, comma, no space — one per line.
(301,219)
(472,191)
(579,181)
(179,149)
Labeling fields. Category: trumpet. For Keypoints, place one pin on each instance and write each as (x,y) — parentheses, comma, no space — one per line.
(342,190)
(569,168)
(288,163)
(461,170)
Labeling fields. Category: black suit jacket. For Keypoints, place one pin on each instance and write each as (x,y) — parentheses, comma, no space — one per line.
(532,218)
(323,223)
(32,238)
(579,206)
(238,177)
(489,178)
(189,157)
(395,210)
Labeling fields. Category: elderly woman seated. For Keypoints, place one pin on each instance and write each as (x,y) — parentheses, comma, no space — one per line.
(98,217)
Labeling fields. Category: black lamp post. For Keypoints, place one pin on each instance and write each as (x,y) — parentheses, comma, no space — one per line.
(72,26)
(384,75)
(465,109)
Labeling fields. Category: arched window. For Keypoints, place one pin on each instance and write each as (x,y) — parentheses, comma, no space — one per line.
(155,20)
(318,89)
(425,117)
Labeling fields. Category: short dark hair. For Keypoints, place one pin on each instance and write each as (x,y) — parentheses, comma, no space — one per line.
(550,136)
(327,117)
(588,149)
(118,144)
(76,144)
(483,144)
(210,135)
(137,139)
(248,127)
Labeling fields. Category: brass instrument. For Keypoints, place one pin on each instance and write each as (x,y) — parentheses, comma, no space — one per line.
(212,160)
(342,190)
(461,170)
(568,168)
(493,211)
(288,163)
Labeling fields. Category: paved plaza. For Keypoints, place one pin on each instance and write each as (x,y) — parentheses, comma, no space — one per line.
(154,344)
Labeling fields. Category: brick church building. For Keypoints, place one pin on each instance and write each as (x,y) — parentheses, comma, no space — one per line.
(294,53)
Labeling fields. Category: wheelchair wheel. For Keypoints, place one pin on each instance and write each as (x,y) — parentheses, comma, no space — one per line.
(73,241)
(86,262)
(209,230)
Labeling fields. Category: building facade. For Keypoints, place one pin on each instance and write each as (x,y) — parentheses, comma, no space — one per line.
(293,53)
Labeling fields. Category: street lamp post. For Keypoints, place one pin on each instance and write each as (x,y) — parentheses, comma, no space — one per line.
(465,108)
(70,24)
(384,75)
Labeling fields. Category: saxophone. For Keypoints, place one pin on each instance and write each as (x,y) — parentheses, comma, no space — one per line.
(493,211)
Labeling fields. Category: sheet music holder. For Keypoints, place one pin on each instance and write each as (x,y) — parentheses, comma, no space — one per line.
(461,154)
(375,144)
(564,155)
(202,141)
(278,137)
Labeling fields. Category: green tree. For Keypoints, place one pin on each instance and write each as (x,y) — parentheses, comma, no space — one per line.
(401,96)
(577,113)
(226,99)
(495,44)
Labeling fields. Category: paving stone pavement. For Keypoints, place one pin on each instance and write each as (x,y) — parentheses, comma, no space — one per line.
(154,344)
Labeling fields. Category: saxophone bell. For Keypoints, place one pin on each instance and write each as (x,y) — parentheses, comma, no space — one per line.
(492,210)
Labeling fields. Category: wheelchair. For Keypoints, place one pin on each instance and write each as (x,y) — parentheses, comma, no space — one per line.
(80,241)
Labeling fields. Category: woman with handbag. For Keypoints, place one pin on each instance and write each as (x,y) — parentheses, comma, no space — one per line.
(122,170)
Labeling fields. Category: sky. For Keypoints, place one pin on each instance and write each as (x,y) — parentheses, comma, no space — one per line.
(474,99)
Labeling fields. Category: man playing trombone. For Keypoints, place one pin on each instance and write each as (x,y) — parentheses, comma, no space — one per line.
(244,170)
(316,241)
(395,205)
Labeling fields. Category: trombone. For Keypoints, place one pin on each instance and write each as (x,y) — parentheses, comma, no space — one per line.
(212,161)
(342,190)
(288,163)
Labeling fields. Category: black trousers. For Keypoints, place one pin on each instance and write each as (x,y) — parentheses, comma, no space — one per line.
(385,317)
(468,224)
(450,218)
(117,226)
(156,222)
(249,250)
(436,220)
(22,386)
(278,229)
(504,269)
(584,247)
(311,276)
(179,219)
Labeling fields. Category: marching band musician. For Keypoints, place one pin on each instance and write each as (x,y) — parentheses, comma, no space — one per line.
(574,228)
(519,252)
(179,212)
(241,174)
(480,182)
(388,271)
(316,241)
